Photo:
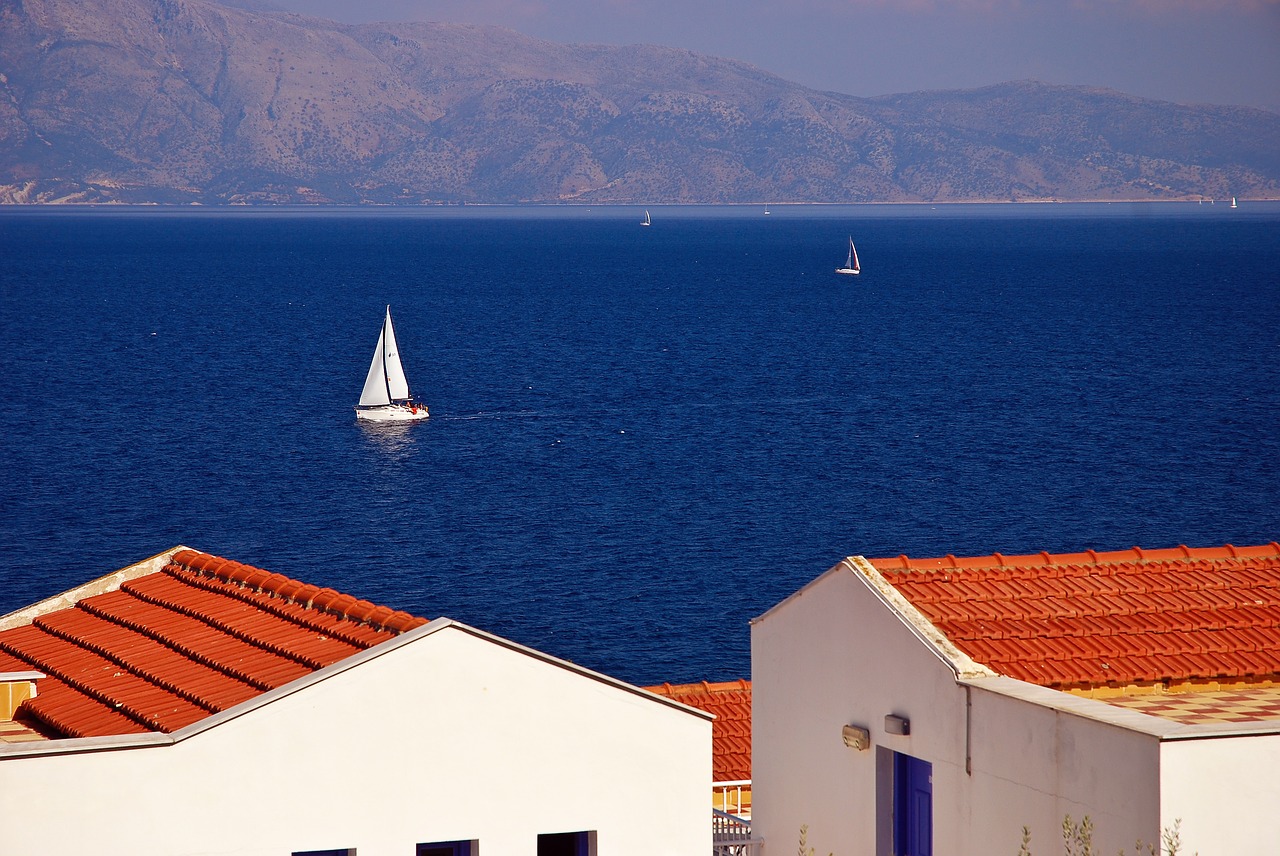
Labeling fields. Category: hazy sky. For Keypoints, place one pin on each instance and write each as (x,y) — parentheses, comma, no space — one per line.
(1210,51)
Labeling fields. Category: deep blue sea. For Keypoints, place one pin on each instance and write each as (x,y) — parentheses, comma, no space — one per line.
(641,438)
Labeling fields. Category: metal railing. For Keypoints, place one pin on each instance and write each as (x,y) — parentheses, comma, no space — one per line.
(731,836)
(732,797)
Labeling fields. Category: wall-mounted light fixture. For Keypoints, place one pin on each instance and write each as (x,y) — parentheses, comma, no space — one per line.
(895,724)
(856,737)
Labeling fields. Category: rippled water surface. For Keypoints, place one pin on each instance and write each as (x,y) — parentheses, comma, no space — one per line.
(640,438)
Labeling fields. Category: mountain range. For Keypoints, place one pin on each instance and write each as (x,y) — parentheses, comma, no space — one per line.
(192,101)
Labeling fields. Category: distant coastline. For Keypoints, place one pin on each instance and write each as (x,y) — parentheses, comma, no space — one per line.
(670,211)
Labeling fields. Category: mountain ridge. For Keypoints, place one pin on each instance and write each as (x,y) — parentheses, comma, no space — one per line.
(190,101)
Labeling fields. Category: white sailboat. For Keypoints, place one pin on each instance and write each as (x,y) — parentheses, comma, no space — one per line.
(1233,203)
(386,396)
(852,266)
(646,221)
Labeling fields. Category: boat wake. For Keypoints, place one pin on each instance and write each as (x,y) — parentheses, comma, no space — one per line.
(495,415)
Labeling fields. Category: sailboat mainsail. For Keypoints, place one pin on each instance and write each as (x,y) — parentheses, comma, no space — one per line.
(646,221)
(852,265)
(386,389)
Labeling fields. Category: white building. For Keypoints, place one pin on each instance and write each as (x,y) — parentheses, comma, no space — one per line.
(908,706)
(190,705)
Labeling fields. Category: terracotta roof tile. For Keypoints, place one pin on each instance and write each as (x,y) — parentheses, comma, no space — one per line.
(141,654)
(232,620)
(731,730)
(167,649)
(103,679)
(1077,620)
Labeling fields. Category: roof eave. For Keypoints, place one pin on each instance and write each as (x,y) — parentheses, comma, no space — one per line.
(580,670)
(71,745)
(801,592)
(1119,717)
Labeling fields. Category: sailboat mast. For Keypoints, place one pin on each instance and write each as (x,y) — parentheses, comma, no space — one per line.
(386,379)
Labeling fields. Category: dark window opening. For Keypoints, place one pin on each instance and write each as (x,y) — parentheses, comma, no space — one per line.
(567,844)
(449,848)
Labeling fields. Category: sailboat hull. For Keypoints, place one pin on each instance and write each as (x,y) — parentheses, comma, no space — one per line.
(849,271)
(393,413)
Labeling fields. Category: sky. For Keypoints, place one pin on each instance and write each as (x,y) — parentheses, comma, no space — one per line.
(1189,51)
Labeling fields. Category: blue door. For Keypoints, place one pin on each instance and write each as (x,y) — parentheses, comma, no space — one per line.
(912,806)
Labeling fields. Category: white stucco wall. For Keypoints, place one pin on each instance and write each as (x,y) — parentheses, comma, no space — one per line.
(1035,763)
(1225,791)
(835,654)
(451,736)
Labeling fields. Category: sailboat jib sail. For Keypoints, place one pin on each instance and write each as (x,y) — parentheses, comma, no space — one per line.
(386,395)
(852,265)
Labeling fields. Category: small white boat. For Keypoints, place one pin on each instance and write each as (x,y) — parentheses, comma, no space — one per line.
(1233,203)
(386,396)
(646,221)
(852,266)
(766,209)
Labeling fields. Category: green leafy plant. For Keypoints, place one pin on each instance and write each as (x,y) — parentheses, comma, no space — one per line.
(1025,849)
(804,840)
(1077,838)
(1170,839)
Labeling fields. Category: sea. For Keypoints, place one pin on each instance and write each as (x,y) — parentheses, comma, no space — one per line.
(641,438)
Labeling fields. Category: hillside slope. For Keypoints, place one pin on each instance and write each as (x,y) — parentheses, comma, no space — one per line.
(178,101)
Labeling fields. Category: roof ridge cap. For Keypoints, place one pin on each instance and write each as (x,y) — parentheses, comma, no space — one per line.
(230,588)
(1182,553)
(702,687)
(276,585)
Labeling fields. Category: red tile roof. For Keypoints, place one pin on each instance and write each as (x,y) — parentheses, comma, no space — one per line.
(1083,620)
(167,649)
(731,729)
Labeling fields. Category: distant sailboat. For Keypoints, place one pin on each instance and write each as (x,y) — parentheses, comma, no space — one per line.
(386,396)
(1233,203)
(852,266)
(766,209)
(646,221)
